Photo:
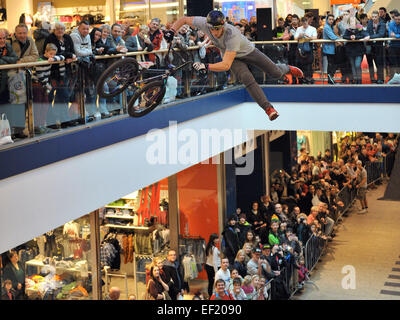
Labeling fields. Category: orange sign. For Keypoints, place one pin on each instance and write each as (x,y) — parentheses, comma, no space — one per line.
(345,2)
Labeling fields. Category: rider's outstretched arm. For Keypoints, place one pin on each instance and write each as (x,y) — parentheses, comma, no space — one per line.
(182,21)
(225,64)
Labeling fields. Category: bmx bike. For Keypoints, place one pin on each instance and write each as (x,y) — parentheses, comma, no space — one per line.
(148,92)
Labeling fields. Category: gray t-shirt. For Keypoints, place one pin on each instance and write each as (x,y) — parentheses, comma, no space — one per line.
(231,40)
(362,176)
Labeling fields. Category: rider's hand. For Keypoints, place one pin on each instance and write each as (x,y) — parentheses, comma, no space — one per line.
(199,66)
(169,35)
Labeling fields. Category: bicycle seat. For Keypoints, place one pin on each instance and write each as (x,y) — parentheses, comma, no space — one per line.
(146,64)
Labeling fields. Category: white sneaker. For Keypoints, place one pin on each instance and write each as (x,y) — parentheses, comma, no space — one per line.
(363,211)
(395,79)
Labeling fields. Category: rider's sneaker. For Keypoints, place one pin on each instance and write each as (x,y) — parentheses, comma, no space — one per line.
(272,113)
(296,72)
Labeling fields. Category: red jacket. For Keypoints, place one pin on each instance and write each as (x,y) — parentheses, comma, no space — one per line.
(155,39)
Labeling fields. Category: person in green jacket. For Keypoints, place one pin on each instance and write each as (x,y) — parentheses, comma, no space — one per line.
(273,234)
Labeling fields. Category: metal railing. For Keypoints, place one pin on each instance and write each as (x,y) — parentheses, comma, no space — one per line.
(376,171)
(79,102)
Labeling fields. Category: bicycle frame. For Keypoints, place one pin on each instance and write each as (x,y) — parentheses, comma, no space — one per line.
(169,72)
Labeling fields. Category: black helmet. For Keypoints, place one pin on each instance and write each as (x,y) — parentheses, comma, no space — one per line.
(215,19)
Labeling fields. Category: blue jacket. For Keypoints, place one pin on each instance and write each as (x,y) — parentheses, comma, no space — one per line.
(328,34)
(379,33)
(393,27)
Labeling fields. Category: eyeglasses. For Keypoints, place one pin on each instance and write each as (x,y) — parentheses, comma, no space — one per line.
(215,27)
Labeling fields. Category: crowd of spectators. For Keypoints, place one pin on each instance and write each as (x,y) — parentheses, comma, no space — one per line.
(345,56)
(59,84)
(268,241)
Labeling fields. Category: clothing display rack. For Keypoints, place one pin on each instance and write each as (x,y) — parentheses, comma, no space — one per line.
(109,275)
(135,272)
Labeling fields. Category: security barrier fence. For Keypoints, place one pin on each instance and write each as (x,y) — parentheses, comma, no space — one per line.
(376,172)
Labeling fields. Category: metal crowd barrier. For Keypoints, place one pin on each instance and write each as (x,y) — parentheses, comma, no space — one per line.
(376,171)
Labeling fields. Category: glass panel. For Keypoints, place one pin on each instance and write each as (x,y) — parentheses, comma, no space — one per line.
(135,10)
(54,266)
(128,226)
(198,210)
(166,10)
(56,101)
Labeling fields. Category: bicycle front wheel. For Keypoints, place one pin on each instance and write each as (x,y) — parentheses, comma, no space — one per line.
(146,99)
(117,77)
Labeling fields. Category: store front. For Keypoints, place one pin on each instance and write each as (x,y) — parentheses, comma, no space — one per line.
(115,245)
(97,12)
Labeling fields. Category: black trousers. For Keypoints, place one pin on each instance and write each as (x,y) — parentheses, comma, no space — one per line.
(376,56)
(305,63)
(331,64)
(257,59)
(211,278)
(394,58)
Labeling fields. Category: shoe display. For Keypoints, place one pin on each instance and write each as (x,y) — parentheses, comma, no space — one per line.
(272,113)
(296,72)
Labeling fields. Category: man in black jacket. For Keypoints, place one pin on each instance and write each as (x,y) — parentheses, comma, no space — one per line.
(174,275)
(231,239)
(376,29)
(266,209)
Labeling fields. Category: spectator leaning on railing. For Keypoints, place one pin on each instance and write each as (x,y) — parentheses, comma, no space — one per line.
(23,45)
(140,42)
(355,50)
(328,49)
(376,29)
(61,75)
(394,46)
(116,38)
(305,54)
(7,56)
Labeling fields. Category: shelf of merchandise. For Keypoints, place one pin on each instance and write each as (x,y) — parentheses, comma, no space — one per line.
(40,264)
(117,217)
(125,227)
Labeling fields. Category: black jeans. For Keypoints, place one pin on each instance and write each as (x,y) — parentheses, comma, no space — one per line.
(211,277)
(394,58)
(305,63)
(376,56)
(331,65)
(258,59)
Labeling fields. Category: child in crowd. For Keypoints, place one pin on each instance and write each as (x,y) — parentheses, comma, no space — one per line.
(237,292)
(43,91)
(303,273)
(7,292)
(43,72)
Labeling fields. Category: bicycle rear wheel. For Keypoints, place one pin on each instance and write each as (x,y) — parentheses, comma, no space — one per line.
(146,99)
(117,77)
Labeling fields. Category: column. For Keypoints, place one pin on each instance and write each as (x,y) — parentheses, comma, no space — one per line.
(221,185)
(111,10)
(14,11)
(173,211)
(95,254)
(266,162)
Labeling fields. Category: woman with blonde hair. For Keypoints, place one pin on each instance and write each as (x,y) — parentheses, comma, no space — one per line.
(247,248)
(240,264)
